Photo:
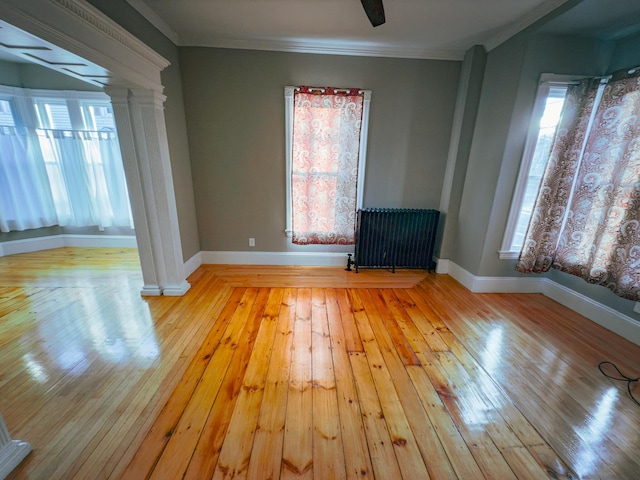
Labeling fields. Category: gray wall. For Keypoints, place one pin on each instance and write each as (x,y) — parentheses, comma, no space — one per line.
(234,101)
(464,120)
(499,91)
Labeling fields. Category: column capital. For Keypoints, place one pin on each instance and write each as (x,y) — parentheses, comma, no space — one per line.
(143,96)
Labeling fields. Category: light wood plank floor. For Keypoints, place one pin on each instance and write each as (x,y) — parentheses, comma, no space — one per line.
(298,372)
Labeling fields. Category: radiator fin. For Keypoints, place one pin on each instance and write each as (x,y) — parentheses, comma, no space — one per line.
(396,238)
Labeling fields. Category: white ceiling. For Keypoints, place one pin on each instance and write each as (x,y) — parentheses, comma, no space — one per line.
(414,28)
(438,29)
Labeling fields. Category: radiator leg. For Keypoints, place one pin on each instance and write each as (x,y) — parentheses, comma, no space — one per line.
(349,262)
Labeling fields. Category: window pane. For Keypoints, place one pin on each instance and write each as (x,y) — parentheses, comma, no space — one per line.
(6,116)
(98,116)
(53,114)
(546,132)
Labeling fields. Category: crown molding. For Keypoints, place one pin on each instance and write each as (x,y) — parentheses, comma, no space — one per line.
(79,28)
(523,22)
(327,48)
(154,19)
(105,26)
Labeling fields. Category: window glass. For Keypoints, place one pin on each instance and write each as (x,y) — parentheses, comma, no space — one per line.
(6,115)
(53,114)
(545,117)
(545,133)
(98,116)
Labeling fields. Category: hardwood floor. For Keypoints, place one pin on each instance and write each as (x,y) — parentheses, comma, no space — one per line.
(299,372)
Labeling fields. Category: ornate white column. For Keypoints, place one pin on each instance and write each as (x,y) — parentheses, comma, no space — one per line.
(139,115)
(12,452)
(144,228)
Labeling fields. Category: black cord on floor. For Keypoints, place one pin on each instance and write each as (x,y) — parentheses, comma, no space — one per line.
(622,378)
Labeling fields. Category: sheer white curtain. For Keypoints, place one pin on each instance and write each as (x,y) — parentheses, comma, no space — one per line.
(56,168)
(25,195)
(87,177)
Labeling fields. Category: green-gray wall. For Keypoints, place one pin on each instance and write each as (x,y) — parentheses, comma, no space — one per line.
(234,101)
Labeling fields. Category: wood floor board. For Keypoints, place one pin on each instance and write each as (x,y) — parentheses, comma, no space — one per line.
(328,448)
(403,439)
(264,372)
(340,319)
(297,449)
(235,454)
(266,454)
(382,454)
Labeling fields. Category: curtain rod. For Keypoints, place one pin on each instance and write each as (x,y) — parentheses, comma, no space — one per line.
(335,90)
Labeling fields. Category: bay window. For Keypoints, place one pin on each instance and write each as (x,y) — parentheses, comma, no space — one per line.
(60,161)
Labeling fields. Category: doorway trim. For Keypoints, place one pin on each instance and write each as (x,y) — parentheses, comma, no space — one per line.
(129,72)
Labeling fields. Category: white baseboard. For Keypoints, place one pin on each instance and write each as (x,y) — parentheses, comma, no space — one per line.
(597,312)
(442,265)
(318,259)
(100,241)
(27,245)
(496,284)
(192,264)
(609,318)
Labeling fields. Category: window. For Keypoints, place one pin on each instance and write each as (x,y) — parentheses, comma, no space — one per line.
(6,115)
(588,206)
(65,152)
(546,115)
(326,136)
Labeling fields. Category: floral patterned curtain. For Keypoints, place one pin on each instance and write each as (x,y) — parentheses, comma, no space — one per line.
(600,238)
(550,208)
(326,146)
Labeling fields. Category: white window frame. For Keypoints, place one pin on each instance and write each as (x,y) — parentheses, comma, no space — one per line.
(288,126)
(547,81)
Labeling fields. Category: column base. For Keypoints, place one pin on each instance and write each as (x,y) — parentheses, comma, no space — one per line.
(11,454)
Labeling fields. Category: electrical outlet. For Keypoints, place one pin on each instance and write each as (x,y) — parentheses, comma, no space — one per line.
(636,307)
(252,242)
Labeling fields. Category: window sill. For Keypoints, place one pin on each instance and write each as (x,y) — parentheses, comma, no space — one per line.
(508,255)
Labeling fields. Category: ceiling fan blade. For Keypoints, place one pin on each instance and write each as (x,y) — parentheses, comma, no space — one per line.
(374,10)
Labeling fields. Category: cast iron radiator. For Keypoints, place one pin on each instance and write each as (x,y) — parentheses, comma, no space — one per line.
(395,238)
